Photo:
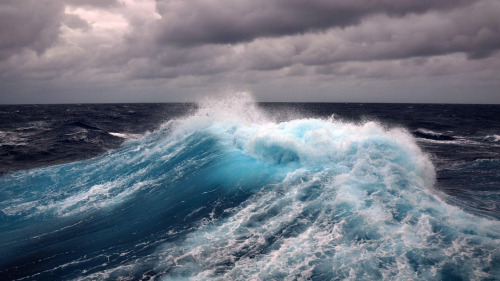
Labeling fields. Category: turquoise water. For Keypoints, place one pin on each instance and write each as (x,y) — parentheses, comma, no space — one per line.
(231,194)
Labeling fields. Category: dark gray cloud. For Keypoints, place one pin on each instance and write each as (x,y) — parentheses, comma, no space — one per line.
(35,24)
(76,22)
(474,31)
(200,21)
(32,24)
(192,33)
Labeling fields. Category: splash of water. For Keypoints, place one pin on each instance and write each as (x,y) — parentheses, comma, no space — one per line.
(241,197)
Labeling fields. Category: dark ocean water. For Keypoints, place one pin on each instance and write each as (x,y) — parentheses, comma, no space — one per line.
(230,190)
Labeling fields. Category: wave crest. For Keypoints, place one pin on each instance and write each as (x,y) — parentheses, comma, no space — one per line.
(229,194)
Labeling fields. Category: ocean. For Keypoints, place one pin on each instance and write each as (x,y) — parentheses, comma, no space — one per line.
(229,189)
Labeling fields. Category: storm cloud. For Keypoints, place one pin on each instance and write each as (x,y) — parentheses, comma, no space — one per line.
(279,49)
(30,24)
(222,22)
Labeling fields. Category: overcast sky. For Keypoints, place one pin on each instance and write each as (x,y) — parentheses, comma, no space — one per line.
(74,51)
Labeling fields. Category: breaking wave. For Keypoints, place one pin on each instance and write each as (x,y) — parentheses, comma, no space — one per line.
(230,194)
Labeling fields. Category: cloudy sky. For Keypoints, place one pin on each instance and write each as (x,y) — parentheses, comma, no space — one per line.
(73,51)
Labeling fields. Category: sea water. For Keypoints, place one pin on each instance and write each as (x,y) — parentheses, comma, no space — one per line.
(234,190)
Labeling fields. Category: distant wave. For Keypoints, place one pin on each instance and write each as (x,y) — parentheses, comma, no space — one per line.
(492,138)
(427,134)
(125,135)
(230,194)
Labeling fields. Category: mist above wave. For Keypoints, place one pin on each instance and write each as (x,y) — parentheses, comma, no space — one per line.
(249,197)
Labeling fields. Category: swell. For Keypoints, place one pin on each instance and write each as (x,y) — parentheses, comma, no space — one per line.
(45,135)
(230,194)
(139,194)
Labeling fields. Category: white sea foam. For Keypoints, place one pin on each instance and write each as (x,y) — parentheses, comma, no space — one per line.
(12,138)
(126,135)
(361,204)
(494,138)
(356,203)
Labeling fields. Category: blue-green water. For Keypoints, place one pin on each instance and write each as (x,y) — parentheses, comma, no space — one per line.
(229,193)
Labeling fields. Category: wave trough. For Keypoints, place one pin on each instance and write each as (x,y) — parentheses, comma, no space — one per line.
(229,194)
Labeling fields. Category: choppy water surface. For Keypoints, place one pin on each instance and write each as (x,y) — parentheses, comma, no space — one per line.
(233,190)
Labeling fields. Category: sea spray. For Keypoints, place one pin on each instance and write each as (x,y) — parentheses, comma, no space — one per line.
(228,193)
